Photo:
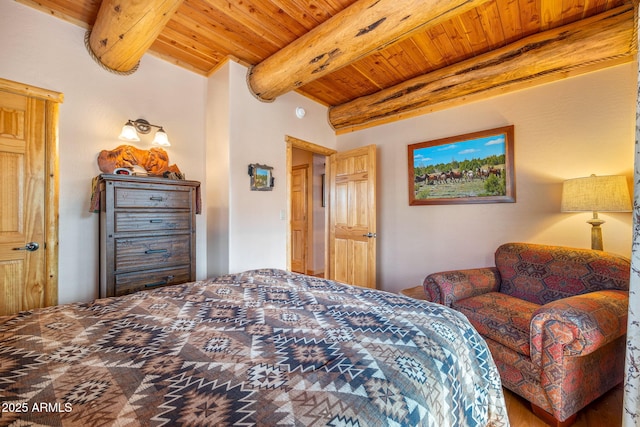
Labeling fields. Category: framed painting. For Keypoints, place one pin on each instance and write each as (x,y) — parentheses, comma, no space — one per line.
(471,168)
(261,177)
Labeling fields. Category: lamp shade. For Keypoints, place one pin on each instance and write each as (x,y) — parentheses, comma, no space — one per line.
(596,193)
(129,132)
(161,138)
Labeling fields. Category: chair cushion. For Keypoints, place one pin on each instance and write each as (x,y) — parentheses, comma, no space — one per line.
(500,317)
(542,273)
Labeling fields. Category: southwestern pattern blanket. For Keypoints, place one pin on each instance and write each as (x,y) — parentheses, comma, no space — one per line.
(264,347)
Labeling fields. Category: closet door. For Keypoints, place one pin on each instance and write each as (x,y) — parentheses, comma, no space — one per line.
(25,278)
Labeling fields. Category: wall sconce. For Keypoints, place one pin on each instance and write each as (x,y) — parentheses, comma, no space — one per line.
(596,194)
(132,127)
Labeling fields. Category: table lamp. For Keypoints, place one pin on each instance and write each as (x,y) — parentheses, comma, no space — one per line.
(596,194)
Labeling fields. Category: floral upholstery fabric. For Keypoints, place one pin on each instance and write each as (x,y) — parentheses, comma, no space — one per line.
(553,317)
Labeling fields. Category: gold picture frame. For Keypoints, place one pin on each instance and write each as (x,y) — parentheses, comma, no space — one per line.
(471,168)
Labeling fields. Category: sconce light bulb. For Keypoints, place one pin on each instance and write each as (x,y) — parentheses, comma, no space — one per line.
(129,132)
(161,138)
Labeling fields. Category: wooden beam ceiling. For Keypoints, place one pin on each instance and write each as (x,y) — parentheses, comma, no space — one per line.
(370,61)
(602,41)
(360,29)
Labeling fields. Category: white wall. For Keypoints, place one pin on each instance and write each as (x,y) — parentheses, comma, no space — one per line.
(566,129)
(218,149)
(257,222)
(43,51)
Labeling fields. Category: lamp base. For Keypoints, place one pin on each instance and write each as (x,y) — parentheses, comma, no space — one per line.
(596,233)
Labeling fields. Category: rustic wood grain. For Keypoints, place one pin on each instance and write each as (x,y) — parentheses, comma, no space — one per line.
(584,46)
(203,34)
(124,31)
(362,28)
(147,233)
(30,155)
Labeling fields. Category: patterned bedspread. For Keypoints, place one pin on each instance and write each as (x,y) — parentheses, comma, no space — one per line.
(264,347)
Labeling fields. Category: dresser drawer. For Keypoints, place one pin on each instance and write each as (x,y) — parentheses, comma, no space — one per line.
(156,221)
(152,252)
(147,232)
(127,283)
(125,197)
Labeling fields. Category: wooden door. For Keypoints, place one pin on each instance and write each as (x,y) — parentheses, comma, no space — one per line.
(299,218)
(28,228)
(352,218)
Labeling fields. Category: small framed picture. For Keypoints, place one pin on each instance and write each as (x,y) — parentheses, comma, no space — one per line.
(261,177)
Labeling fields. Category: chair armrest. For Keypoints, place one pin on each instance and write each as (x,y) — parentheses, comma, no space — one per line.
(578,325)
(446,287)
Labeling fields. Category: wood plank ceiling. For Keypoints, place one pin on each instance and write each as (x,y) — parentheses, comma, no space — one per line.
(202,34)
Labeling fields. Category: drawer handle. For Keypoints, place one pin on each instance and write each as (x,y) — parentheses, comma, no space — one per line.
(155,251)
(155,221)
(156,198)
(166,281)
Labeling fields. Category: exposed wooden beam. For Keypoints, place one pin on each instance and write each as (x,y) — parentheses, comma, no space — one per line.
(355,32)
(604,40)
(125,29)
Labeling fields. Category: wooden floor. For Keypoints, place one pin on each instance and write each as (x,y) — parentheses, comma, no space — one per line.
(606,411)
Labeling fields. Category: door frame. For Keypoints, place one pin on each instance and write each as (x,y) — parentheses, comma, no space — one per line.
(292,143)
(52,183)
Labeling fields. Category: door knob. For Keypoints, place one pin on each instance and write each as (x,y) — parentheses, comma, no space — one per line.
(370,235)
(31,246)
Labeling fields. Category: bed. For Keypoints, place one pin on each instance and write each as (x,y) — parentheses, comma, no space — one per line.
(263,347)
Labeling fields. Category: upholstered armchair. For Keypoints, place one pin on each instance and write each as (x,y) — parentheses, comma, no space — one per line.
(554,317)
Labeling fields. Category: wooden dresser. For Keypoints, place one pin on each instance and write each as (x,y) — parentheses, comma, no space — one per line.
(147,233)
